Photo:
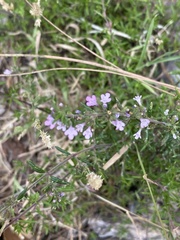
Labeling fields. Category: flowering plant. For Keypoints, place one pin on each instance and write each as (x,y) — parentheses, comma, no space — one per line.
(100,113)
(119,144)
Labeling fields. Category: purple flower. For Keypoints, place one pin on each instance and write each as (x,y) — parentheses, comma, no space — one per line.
(176,118)
(105,98)
(71,133)
(118,124)
(138,100)
(91,101)
(87,133)
(7,72)
(144,122)
(62,194)
(50,122)
(127,114)
(117,115)
(77,111)
(61,104)
(80,127)
(104,105)
(61,126)
(138,134)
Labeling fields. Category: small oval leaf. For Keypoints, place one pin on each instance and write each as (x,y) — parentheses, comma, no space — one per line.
(35,167)
(67,188)
(22,194)
(62,150)
(58,180)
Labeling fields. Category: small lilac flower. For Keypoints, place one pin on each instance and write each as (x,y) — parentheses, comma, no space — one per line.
(127,114)
(144,122)
(105,98)
(50,122)
(62,194)
(104,105)
(7,72)
(61,104)
(138,134)
(71,133)
(118,124)
(61,126)
(117,115)
(77,111)
(91,101)
(174,136)
(176,118)
(138,100)
(87,133)
(80,127)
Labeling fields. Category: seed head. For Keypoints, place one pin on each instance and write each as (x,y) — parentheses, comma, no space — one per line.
(95,181)
(36,10)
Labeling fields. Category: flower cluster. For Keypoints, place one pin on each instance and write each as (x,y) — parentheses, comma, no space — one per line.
(144,122)
(91,101)
(72,131)
(118,119)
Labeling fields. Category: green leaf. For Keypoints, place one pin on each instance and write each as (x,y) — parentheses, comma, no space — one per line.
(18,129)
(22,194)
(164,140)
(143,53)
(149,88)
(167,57)
(58,180)
(67,188)
(35,167)
(62,150)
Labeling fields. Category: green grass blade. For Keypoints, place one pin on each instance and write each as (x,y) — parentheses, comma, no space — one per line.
(143,54)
